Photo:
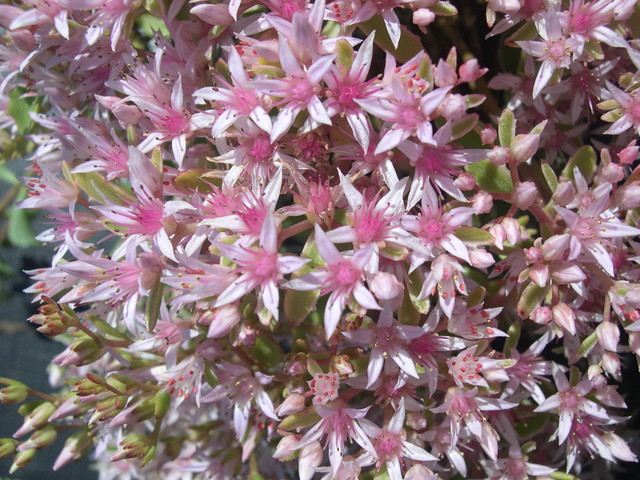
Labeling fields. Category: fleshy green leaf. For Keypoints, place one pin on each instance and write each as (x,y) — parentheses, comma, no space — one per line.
(20,109)
(490,178)
(584,159)
(530,299)
(587,344)
(19,231)
(506,128)
(474,237)
(550,176)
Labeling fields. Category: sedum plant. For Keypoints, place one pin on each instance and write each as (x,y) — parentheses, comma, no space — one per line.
(324,240)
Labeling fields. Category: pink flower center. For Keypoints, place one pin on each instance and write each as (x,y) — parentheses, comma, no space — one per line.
(346,95)
(369,225)
(325,387)
(388,445)
(570,401)
(345,274)
(301,91)
(409,117)
(265,266)
(634,110)
(432,229)
(557,50)
(261,150)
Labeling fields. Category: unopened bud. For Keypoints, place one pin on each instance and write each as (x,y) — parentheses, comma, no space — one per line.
(629,154)
(524,195)
(524,146)
(512,229)
(40,439)
(294,403)
(608,336)
(385,286)
(465,181)
(444,74)
(453,107)
(611,363)
(310,458)
(488,136)
(470,71)
(542,315)
(565,317)
(76,446)
(38,418)
(628,197)
(14,392)
(52,319)
(423,17)
(286,448)
(134,446)
(482,202)
(498,156)
(22,459)
(565,193)
(7,447)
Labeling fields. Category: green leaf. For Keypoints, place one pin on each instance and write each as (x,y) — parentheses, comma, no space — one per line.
(152,309)
(196,179)
(512,340)
(19,231)
(550,176)
(267,352)
(587,344)
(490,178)
(148,24)
(530,299)
(585,160)
(474,237)
(558,475)
(302,419)
(20,109)
(299,304)
(506,128)
(414,286)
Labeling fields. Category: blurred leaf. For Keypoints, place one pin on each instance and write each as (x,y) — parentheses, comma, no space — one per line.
(20,109)
(20,232)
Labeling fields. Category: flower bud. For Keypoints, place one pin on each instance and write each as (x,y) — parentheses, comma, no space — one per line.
(286,448)
(295,365)
(38,418)
(565,317)
(134,446)
(488,135)
(82,351)
(14,392)
(76,446)
(524,195)
(310,458)
(553,248)
(612,173)
(480,258)
(86,387)
(512,229)
(22,459)
(629,154)
(505,6)
(52,319)
(524,146)
(470,71)
(482,202)
(342,365)
(465,181)
(498,156)
(40,439)
(453,107)
(7,447)
(444,74)
(608,336)
(542,315)
(423,17)
(628,197)
(385,286)
(222,320)
(499,235)
(294,403)
(611,363)
(565,193)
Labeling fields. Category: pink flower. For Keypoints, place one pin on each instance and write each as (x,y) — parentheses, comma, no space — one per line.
(391,446)
(259,267)
(343,277)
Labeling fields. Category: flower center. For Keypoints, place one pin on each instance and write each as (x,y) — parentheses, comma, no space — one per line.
(325,387)
(432,229)
(345,275)
(388,444)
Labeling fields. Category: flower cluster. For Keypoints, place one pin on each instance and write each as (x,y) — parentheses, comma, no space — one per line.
(291,242)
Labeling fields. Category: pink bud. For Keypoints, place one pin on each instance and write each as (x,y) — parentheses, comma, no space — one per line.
(480,258)
(482,202)
(505,6)
(524,146)
(310,458)
(499,235)
(454,107)
(222,320)
(564,193)
(126,114)
(564,316)
(385,286)
(247,335)
(629,154)
(513,230)
(471,71)
(444,74)
(465,181)
(423,17)
(286,447)
(612,173)
(539,274)
(532,255)
(541,315)
(292,404)
(498,156)
(488,135)
(553,248)
(608,336)
(611,363)
(524,195)
(628,197)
